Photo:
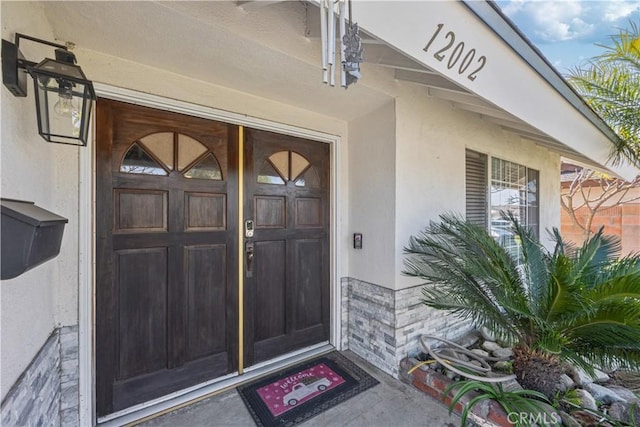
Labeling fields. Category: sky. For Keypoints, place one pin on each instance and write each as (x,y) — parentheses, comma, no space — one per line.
(566,31)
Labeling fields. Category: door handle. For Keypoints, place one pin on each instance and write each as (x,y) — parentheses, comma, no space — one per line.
(248,251)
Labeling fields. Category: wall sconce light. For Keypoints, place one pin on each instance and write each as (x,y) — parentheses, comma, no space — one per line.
(63,94)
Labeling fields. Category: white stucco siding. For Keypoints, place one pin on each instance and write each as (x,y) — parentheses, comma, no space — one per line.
(430,165)
(372,171)
(32,169)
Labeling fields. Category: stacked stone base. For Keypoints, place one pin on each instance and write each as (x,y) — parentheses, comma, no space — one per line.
(46,394)
(384,325)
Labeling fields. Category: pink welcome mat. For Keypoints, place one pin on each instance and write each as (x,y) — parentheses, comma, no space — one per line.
(303,391)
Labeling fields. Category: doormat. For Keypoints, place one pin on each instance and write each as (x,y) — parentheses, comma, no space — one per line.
(296,394)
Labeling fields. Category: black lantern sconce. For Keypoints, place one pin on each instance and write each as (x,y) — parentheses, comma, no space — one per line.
(63,94)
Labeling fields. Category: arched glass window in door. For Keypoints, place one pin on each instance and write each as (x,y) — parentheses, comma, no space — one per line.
(165,152)
(285,166)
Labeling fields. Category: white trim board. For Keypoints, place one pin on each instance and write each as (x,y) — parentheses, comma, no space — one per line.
(86,244)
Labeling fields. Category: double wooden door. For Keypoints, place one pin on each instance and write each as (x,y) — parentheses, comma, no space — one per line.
(168,229)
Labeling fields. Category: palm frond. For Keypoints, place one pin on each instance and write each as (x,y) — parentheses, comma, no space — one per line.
(610,84)
(629,265)
(616,290)
(534,266)
(595,253)
(609,334)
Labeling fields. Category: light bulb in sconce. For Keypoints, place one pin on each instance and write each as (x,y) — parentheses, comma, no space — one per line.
(65,108)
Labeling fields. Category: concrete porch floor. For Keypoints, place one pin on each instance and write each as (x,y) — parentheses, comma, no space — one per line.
(391,403)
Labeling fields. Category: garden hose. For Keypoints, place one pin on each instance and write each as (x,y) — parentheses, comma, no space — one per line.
(450,361)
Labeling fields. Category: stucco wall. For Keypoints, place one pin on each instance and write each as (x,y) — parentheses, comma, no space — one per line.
(32,169)
(431,138)
(372,172)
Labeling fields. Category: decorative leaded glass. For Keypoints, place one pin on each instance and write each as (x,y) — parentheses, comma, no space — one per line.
(137,160)
(268,175)
(207,168)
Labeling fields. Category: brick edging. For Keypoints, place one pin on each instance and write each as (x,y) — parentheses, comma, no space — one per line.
(433,384)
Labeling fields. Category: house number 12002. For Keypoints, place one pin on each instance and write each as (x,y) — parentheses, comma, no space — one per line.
(465,60)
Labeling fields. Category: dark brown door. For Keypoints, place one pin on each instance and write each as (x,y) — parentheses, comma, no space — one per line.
(287,258)
(166,296)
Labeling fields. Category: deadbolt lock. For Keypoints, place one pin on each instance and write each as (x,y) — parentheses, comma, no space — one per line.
(248,228)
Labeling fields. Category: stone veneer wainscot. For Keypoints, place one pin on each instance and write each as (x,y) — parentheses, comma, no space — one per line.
(383,325)
(46,394)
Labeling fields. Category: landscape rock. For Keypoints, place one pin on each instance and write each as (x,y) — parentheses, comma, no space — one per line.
(624,393)
(582,378)
(568,420)
(468,339)
(618,411)
(487,334)
(587,419)
(503,353)
(490,346)
(480,352)
(622,411)
(603,394)
(587,399)
(566,382)
(601,376)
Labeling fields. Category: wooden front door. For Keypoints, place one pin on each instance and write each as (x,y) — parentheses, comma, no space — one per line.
(167,264)
(166,283)
(287,258)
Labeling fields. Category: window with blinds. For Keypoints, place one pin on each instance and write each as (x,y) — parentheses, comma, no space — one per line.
(511,188)
(476,184)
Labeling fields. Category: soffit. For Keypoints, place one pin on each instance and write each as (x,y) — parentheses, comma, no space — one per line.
(439,86)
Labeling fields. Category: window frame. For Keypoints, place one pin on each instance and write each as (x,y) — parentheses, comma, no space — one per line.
(529,189)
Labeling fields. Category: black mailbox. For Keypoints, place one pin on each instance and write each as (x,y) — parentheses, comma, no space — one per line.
(30,236)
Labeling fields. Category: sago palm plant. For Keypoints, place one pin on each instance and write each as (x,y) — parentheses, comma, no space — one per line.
(579,305)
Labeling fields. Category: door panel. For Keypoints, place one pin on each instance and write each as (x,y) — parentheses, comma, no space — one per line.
(140,211)
(206,264)
(205,211)
(269,268)
(142,297)
(287,289)
(307,279)
(269,211)
(166,282)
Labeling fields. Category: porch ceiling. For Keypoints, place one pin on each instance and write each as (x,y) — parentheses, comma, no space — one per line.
(202,40)
(259,48)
